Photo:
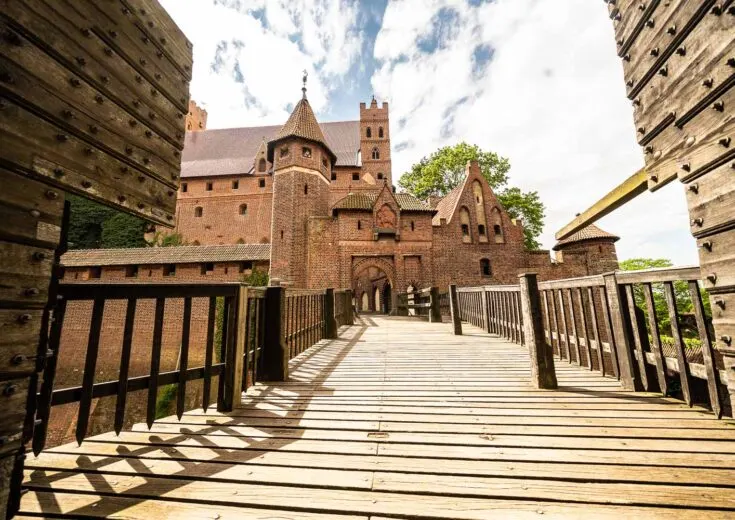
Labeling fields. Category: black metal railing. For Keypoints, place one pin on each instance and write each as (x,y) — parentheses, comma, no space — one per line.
(224,334)
(217,301)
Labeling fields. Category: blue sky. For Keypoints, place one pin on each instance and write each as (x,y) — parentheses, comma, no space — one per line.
(537,81)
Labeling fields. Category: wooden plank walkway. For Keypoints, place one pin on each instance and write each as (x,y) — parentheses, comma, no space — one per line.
(400,419)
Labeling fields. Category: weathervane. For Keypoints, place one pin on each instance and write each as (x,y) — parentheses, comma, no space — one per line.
(303,89)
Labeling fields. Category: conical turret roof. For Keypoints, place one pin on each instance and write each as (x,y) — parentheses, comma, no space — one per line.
(301,123)
(591,232)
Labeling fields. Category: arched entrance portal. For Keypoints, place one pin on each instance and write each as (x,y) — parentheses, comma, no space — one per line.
(372,283)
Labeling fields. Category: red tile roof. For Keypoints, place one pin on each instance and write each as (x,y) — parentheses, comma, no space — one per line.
(301,123)
(166,255)
(364,200)
(590,232)
(230,151)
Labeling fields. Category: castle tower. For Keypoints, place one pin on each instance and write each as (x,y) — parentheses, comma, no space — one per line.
(375,142)
(596,244)
(196,118)
(302,167)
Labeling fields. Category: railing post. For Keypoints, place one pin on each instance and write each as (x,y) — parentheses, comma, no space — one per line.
(543,373)
(621,334)
(454,310)
(435,313)
(330,323)
(274,358)
(485,311)
(350,316)
(235,357)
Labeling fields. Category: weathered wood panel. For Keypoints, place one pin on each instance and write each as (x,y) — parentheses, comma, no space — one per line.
(349,434)
(93,99)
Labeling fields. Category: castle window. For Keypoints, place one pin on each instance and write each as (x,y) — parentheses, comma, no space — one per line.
(498,231)
(359,224)
(368,132)
(497,220)
(131,271)
(198,211)
(306,152)
(244,266)
(261,183)
(485,269)
(262,164)
(95,272)
(355,176)
(281,234)
(380,176)
(380,132)
(464,220)
(207,268)
(243,209)
(413,226)
(210,186)
(235,185)
(334,176)
(306,189)
(169,270)
(376,154)
(481,230)
(188,126)
(184,187)
(284,151)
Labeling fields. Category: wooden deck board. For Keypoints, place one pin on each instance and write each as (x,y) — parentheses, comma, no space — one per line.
(401,419)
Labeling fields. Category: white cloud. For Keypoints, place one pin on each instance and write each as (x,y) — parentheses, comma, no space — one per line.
(552,99)
(265,45)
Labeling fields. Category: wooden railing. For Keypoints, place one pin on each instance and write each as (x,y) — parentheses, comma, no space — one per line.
(424,303)
(246,334)
(650,329)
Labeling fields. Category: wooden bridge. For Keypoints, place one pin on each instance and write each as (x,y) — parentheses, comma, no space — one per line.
(400,418)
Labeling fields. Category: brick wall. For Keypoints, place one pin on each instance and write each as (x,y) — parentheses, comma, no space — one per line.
(221,221)
(196,118)
(375,119)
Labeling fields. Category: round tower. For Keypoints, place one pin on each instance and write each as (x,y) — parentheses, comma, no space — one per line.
(302,167)
(596,244)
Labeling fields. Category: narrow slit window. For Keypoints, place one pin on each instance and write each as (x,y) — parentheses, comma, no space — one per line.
(198,211)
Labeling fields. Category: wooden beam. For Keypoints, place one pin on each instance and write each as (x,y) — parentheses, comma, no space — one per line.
(620,195)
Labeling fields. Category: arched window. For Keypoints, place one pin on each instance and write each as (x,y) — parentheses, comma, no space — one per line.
(380,132)
(261,165)
(198,211)
(376,154)
(464,219)
(368,132)
(243,209)
(485,269)
(481,230)
(497,219)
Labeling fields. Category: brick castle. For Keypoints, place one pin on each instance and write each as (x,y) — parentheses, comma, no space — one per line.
(314,205)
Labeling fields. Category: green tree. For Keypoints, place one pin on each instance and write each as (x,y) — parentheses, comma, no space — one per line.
(442,171)
(256,278)
(162,239)
(681,293)
(92,225)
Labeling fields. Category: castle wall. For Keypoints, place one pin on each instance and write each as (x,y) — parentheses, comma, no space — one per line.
(196,118)
(220,221)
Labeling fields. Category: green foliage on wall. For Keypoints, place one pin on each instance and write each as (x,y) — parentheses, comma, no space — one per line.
(256,278)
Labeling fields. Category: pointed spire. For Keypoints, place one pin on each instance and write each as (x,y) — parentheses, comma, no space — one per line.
(301,123)
(303,89)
